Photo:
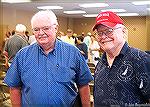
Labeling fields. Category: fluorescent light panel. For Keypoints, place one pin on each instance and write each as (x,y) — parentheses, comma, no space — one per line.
(141,2)
(148,9)
(74,12)
(90,15)
(15,1)
(128,14)
(49,7)
(89,5)
(114,10)
(120,14)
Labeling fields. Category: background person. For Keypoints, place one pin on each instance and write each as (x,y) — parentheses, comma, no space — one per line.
(122,76)
(82,46)
(15,43)
(69,37)
(45,73)
(94,49)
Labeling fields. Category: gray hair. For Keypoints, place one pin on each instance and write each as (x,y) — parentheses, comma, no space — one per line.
(20,28)
(45,15)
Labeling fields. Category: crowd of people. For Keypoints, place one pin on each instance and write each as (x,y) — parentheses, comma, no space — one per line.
(86,43)
(53,70)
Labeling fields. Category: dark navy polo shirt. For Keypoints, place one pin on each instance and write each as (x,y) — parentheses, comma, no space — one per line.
(126,82)
(48,80)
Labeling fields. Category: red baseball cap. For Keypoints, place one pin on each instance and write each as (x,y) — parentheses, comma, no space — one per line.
(108,18)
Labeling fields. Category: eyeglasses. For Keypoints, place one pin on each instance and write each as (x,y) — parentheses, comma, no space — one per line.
(44,29)
(107,32)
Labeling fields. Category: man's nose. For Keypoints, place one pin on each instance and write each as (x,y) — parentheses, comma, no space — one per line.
(41,31)
(103,35)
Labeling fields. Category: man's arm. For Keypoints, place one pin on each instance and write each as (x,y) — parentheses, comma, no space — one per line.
(15,96)
(85,95)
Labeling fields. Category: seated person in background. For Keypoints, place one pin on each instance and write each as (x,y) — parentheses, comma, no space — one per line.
(44,74)
(15,43)
(82,47)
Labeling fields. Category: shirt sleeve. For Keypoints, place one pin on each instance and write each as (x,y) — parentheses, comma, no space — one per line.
(83,72)
(13,78)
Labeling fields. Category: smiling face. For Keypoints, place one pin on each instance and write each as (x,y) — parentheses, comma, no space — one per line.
(110,39)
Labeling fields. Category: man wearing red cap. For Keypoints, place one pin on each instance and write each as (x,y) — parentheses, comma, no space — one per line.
(122,75)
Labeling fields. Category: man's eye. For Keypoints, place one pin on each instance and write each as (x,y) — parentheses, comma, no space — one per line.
(46,28)
(36,29)
(108,31)
(100,33)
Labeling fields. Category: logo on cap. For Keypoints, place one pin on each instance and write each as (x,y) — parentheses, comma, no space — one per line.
(108,18)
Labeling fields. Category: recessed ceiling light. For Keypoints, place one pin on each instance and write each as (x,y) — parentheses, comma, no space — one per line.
(89,5)
(15,1)
(90,15)
(141,2)
(148,9)
(49,7)
(128,14)
(74,12)
(114,10)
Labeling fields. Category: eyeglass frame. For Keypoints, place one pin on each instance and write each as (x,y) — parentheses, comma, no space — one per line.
(105,32)
(47,28)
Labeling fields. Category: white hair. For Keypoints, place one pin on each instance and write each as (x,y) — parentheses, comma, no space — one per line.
(20,28)
(45,15)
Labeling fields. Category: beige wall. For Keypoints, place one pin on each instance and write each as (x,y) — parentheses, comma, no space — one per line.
(83,25)
(11,17)
(148,31)
(139,33)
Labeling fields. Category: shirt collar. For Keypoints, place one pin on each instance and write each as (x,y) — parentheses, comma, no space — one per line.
(53,51)
(124,49)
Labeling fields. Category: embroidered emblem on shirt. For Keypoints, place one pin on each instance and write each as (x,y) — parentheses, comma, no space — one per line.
(125,72)
(141,84)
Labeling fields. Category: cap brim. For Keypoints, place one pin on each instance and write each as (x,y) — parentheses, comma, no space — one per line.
(108,24)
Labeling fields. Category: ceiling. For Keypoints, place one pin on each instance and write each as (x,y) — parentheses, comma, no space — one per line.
(74,5)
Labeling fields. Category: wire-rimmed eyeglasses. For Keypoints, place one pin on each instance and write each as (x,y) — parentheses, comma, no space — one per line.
(107,32)
(44,29)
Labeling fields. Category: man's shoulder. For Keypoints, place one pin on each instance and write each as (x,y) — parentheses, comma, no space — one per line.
(66,47)
(15,38)
(139,55)
(30,49)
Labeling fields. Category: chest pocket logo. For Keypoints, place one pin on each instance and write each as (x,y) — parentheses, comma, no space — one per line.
(125,72)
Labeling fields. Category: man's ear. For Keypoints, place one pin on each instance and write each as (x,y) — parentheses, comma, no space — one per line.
(125,33)
(56,29)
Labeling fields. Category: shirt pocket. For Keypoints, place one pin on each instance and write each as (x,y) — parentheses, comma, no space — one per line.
(64,74)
